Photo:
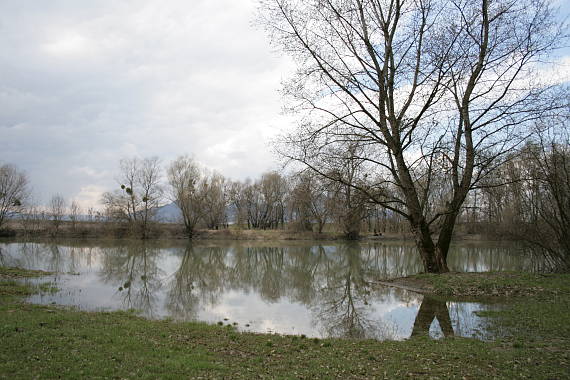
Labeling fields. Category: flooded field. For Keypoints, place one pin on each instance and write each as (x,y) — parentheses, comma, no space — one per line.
(319,289)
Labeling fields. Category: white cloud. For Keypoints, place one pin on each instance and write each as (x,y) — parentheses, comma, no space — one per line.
(84,84)
(88,196)
(67,44)
(557,72)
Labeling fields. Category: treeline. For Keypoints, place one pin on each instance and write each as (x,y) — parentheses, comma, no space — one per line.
(526,198)
(206,199)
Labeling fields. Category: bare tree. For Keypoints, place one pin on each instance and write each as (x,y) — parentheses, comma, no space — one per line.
(148,182)
(543,221)
(185,179)
(124,204)
(264,201)
(350,204)
(13,191)
(532,205)
(254,205)
(74,212)
(90,214)
(57,211)
(237,201)
(129,168)
(31,217)
(431,93)
(215,200)
(301,200)
(274,190)
(139,195)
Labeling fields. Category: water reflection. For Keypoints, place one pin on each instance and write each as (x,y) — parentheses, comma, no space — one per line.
(432,309)
(313,289)
(134,270)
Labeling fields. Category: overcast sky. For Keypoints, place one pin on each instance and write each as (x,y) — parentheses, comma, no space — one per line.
(84,83)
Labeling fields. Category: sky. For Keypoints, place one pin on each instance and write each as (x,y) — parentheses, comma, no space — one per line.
(86,83)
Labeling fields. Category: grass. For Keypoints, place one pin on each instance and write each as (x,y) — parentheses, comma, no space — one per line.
(511,284)
(11,272)
(11,287)
(53,342)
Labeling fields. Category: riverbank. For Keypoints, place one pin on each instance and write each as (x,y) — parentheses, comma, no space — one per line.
(164,231)
(172,231)
(52,342)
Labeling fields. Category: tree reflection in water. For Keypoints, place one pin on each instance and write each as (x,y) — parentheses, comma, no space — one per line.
(332,283)
(199,279)
(430,309)
(182,299)
(133,270)
(343,306)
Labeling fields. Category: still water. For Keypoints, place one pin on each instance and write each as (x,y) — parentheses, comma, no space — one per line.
(313,288)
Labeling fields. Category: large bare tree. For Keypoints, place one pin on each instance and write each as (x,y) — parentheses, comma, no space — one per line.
(429,94)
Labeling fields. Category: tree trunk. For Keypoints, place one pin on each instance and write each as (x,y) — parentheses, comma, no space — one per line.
(445,235)
(433,257)
(320,225)
(189,230)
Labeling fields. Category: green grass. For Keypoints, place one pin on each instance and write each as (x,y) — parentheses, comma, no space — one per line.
(11,272)
(50,342)
(11,287)
(53,342)
(493,284)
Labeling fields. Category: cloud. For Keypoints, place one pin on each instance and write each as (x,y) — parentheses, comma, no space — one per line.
(84,84)
(88,196)
(556,73)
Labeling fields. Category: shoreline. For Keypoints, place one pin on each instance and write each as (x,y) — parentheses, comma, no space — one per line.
(51,341)
(114,231)
(482,284)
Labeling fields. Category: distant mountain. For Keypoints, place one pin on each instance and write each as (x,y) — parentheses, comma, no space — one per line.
(169,213)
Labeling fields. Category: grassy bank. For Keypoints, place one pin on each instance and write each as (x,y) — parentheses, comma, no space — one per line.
(494,284)
(49,342)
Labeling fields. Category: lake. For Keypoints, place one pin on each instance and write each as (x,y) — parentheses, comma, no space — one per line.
(317,289)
